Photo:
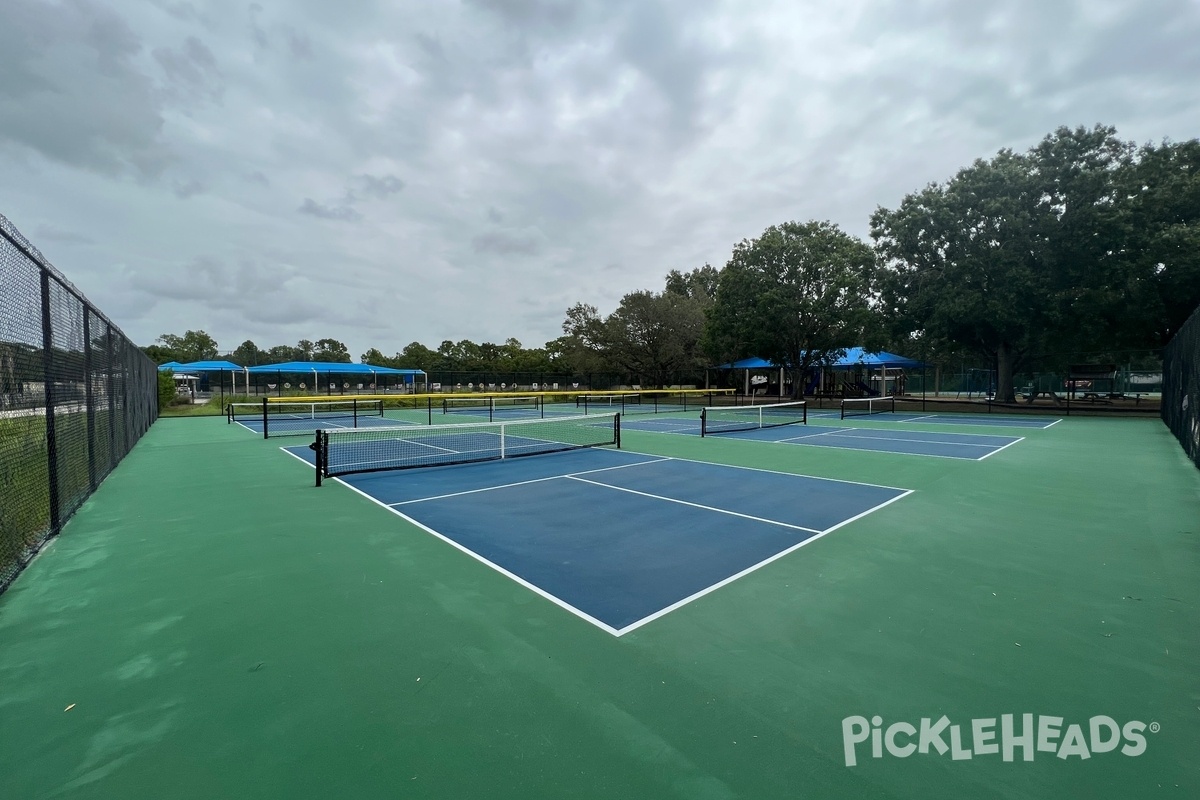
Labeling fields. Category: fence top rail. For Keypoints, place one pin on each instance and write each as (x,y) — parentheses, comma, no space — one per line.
(9,232)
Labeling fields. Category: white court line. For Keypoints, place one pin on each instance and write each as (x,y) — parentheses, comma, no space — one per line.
(809,435)
(986,421)
(247,427)
(676,605)
(696,505)
(1010,444)
(920,441)
(709,590)
(433,446)
(1052,424)
(891,429)
(802,443)
(771,471)
(511,575)
(524,483)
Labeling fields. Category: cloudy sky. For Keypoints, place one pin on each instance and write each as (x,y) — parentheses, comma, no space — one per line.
(384,171)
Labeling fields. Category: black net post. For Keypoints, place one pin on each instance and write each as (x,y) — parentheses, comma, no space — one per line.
(321,448)
(266,418)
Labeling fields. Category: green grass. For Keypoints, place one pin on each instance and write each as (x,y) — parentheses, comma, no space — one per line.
(24,487)
(213,407)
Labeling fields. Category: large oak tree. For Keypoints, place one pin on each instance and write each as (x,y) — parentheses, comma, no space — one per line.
(798,295)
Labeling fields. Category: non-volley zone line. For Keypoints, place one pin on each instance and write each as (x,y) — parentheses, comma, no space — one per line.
(934,418)
(617,538)
(936,444)
(933,444)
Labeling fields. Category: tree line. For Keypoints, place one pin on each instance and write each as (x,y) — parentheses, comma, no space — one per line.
(1084,242)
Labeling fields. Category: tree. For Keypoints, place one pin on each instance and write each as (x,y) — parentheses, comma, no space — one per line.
(376,358)
(961,263)
(1082,244)
(192,346)
(159,354)
(699,284)
(329,350)
(798,295)
(282,353)
(166,389)
(416,356)
(582,347)
(1163,282)
(247,354)
(655,335)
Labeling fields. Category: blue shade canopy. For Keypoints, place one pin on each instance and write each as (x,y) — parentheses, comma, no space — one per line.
(853,357)
(856,356)
(754,362)
(333,368)
(169,365)
(205,366)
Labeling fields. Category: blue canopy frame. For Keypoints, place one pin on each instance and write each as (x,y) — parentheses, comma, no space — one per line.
(338,368)
(851,358)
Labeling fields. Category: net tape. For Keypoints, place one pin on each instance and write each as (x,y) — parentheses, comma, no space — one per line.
(728,419)
(861,406)
(345,452)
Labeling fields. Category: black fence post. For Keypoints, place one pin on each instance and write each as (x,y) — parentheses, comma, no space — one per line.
(89,398)
(48,395)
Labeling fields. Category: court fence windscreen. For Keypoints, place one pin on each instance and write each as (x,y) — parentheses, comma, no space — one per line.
(75,396)
(1181,386)
(345,452)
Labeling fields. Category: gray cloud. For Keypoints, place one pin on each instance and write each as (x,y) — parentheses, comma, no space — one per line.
(299,45)
(341,213)
(604,143)
(185,190)
(50,233)
(381,186)
(505,244)
(72,90)
(191,69)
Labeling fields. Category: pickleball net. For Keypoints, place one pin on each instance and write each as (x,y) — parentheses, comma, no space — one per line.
(607,403)
(346,452)
(728,419)
(292,418)
(491,407)
(867,406)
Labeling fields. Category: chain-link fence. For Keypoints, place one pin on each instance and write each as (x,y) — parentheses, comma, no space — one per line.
(1181,386)
(75,396)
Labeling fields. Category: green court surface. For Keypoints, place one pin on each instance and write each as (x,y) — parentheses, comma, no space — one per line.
(219,628)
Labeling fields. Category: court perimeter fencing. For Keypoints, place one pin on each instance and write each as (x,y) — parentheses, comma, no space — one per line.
(75,396)
(1181,386)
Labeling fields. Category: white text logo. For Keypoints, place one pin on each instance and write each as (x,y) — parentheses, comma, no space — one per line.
(1028,734)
